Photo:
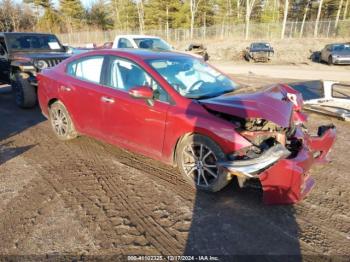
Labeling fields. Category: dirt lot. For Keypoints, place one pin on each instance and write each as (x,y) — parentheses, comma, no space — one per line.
(85,197)
(289,51)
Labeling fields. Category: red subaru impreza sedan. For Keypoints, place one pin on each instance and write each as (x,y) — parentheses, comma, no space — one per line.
(178,109)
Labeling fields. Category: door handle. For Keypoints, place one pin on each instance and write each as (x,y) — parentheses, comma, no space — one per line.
(64,88)
(107,100)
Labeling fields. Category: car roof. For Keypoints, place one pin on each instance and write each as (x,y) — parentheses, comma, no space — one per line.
(260,43)
(138,36)
(138,54)
(24,33)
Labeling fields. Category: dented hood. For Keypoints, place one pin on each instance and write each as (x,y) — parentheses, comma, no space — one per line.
(271,104)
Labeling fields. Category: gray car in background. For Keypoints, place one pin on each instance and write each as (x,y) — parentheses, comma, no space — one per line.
(336,54)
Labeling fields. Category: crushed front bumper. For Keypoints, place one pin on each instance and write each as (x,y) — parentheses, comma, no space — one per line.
(284,179)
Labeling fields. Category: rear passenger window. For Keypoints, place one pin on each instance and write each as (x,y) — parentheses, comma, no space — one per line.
(87,68)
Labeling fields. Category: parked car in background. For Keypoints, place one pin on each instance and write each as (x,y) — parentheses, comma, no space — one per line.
(198,49)
(106,45)
(22,56)
(326,97)
(149,42)
(336,54)
(259,52)
(180,110)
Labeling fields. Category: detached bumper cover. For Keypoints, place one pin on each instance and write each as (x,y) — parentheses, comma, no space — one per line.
(285,180)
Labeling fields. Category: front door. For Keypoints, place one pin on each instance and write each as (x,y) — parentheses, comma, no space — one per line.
(135,123)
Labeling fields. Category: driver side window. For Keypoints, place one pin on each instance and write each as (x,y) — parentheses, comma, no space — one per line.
(125,75)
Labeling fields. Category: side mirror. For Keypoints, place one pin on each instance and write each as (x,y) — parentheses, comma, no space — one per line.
(2,51)
(143,92)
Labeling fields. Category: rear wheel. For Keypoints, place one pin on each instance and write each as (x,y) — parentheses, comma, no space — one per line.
(24,92)
(197,157)
(61,122)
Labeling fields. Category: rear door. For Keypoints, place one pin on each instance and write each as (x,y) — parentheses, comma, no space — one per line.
(82,94)
(135,123)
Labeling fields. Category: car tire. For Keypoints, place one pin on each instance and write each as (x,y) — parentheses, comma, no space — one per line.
(61,122)
(24,92)
(330,60)
(204,163)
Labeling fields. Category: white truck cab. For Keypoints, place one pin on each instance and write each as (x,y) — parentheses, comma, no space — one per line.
(147,42)
(141,41)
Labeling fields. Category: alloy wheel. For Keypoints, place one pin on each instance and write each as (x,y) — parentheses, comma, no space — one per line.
(59,121)
(199,164)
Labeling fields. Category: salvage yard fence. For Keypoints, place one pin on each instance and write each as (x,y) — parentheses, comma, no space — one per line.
(268,31)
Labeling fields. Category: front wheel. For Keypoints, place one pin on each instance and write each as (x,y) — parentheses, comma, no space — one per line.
(330,60)
(61,121)
(24,92)
(197,157)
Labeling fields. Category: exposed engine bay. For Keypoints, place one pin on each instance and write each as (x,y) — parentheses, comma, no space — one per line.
(263,134)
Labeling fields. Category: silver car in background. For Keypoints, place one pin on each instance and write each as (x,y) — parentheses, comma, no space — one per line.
(336,54)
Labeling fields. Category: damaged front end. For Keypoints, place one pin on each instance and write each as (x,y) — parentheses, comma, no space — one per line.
(282,169)
(279,156)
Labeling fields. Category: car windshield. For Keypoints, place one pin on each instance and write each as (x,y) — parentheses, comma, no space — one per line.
(341,47)
(33,42)
(193,78)
(260,45)
(152,43)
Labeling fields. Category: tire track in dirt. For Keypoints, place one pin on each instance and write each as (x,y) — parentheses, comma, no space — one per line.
(161,171)
(160,237)
(85,162)
(23,213)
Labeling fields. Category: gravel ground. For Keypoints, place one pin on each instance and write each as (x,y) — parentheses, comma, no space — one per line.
(86,197)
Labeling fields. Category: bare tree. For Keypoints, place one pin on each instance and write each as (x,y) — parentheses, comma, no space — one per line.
(11,15)
(141,15)
(285,15)
(193,9)
(338,14)
(304,18)
(167,22)
(345,9)
(249,8)
(318,18)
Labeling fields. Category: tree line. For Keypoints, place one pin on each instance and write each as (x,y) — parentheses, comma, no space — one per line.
(141,15)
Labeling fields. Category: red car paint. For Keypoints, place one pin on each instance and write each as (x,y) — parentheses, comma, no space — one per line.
(287,181)
(154,130)
(269,105)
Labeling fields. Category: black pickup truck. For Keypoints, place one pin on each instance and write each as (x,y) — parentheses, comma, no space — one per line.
(22,56)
